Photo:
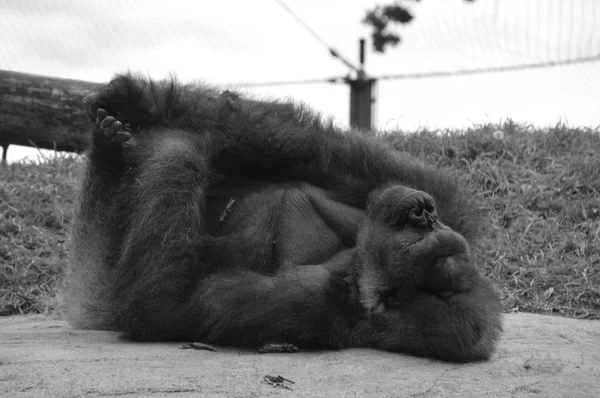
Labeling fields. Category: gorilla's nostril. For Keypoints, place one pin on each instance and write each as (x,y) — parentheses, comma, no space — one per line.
(419,210)
(417,217)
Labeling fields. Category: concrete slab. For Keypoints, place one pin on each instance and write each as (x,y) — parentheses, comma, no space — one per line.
(541,356)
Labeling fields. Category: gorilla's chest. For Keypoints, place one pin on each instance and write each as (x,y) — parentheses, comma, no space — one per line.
(270,226)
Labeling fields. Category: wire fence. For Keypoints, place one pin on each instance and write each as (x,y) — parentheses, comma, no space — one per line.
(488,58)
(528,34)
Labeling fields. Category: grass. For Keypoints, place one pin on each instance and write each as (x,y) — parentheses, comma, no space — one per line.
(540,187)
(36,208)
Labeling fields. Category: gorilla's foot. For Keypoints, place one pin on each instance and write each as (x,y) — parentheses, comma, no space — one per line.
(109,132)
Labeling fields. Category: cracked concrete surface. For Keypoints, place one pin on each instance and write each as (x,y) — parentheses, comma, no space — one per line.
(539,356)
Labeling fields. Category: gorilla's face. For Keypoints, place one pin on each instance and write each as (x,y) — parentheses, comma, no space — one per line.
(404,248)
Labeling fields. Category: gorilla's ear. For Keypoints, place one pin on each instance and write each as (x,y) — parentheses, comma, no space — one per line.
(400,206)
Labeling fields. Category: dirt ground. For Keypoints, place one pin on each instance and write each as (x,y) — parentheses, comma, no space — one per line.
(539,356)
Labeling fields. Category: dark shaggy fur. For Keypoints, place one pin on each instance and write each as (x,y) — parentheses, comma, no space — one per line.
(221,219)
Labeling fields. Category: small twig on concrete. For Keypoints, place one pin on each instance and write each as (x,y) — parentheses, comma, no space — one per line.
(199,346)
(279,381)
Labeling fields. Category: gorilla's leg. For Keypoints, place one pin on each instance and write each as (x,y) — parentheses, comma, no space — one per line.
(95,235)
(163,282)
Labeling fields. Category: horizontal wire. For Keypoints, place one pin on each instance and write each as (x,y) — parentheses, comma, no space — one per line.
(491,69)
(281,83)
(428,75)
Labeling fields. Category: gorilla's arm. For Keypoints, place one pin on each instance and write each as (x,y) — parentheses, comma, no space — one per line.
(306,306)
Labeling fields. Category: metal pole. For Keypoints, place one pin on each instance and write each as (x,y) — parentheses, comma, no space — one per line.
(361,95)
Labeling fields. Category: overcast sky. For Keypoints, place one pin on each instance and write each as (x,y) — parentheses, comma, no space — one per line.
(240,41)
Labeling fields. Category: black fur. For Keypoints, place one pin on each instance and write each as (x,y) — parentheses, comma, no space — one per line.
(227,220)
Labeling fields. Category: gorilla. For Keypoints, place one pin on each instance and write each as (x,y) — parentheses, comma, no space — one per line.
(207,216)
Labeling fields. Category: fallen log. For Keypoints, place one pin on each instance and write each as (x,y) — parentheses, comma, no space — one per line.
(43,112)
